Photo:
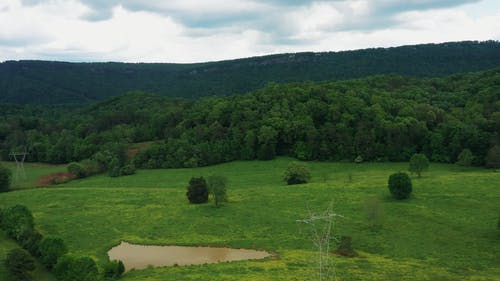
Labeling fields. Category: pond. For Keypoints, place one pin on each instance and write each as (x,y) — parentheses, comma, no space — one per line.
(142,256)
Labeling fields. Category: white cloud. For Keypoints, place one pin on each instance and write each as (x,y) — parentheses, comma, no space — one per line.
(156,30)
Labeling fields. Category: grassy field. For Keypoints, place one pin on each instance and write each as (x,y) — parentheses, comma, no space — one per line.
(445,231)
(33,172)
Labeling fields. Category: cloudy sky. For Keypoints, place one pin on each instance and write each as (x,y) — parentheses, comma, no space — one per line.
(207,30)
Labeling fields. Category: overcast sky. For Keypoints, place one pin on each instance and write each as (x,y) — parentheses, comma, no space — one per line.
(208,30)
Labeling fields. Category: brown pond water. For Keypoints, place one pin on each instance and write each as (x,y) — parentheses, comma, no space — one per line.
(143,256)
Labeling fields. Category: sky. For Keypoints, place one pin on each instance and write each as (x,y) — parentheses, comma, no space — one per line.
(185,31)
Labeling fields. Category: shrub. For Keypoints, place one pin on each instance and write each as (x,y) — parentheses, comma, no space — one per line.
(418,164)
(400,185)
(16,220)
(217,187)
(297,173)
(465,158)
(114,168)
(91,167)
(69,268)
(345,247)
(5,179)
(19,263)
(197,191)
(76,169)
(493,157)
(127,170)
(51,249)
(30,240)
(113,269)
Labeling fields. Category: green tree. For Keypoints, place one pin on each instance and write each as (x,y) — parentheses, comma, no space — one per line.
(217,187)
(51,249)
(16,220)
(493,157)
(5,178)
(113,269)
(197,191)
(418,164)
(76,169)
(19,263)
(297,173)
(465,158)
(69,268)
(400,185)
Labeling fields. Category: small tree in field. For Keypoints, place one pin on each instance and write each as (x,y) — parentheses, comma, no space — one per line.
(5,179)
(400,185)
(51,249)
(197,191)
(19,263)
(297,173)
(217,187)
(418,164)
(465,158)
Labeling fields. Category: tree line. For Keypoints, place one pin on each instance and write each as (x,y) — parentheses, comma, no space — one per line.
(378,118)
(48,82)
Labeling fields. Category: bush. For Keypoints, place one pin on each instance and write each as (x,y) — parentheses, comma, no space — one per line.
(465,158)
(297,173)
(16,220)
(418,164)
(217,187)
(69,268)
(91,167)
(76,169)
(197,191)
(19,263)
(493,157)
(114,168)
(113,269)
(400,185)
(127,170)
(5,179)
(51,249)
(30,241)
(345,247)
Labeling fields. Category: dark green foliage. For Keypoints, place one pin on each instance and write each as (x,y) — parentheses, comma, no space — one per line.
(197,191)
(59,82)
(30,240)
(113,269)
(5,178)
(126,170)
(418,164)
(19,263)
(76,169)
(465,158)
(493,157)
(114,168)
(297,173)
(382,118)
(217,187)
(345,248)
(69,268)
(17,220)
(400,185)
(51,249)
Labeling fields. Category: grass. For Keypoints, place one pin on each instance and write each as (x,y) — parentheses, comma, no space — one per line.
(33,172)
(445,231)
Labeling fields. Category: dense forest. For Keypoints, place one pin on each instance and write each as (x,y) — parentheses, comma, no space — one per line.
(43,82)
(379,118)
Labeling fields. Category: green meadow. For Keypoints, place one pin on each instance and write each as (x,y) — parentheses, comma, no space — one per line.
(447,230)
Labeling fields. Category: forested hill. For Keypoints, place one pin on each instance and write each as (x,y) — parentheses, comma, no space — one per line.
(379,118)
(61,82)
